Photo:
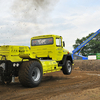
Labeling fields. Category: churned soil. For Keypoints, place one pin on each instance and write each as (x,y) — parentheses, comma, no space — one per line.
(87,65)
(82,84)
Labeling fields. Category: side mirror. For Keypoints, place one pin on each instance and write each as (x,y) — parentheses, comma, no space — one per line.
(63,44)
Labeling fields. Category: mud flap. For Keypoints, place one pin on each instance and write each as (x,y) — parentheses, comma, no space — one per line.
(1,72)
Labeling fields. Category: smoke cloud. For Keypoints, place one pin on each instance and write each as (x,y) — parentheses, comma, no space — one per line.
(33,10)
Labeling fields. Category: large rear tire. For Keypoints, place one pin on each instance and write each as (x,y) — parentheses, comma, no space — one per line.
(67,68)
(30,74)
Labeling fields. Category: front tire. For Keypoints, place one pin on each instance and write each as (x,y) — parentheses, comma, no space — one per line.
(30,74)
(67,68)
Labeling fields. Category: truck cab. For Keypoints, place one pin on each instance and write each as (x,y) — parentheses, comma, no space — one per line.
(48,47)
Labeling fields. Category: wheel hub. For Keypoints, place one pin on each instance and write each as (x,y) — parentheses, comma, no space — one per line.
(36,74)
(69,67)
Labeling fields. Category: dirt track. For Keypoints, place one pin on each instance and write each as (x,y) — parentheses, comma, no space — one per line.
(80,85)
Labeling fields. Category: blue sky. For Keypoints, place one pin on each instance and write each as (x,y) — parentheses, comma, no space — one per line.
(20,20)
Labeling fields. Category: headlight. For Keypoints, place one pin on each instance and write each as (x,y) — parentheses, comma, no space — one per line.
(15,64)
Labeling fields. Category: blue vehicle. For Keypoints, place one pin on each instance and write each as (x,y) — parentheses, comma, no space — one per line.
(82,45)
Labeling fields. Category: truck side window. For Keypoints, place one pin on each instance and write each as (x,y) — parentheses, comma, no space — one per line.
(58,42)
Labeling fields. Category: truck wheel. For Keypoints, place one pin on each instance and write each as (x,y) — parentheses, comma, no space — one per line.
(30,74)
(67,68)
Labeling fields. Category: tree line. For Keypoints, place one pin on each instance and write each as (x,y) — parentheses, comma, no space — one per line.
(92,47)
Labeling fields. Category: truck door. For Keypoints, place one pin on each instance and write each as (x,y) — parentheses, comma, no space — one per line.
(59,49)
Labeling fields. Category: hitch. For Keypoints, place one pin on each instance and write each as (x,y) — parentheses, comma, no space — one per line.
(13,79)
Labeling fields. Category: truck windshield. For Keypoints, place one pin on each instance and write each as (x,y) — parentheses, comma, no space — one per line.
(45,41)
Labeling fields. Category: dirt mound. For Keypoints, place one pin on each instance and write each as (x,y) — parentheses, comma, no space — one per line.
(87,65)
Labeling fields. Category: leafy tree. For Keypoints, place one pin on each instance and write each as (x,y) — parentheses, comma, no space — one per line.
(92,47)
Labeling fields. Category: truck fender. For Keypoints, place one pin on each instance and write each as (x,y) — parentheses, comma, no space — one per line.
(65,57)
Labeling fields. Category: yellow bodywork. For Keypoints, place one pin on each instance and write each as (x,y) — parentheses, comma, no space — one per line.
(11,53)
(50,66)
(24,53)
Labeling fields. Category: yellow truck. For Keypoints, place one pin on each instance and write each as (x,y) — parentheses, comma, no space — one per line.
(46,54)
